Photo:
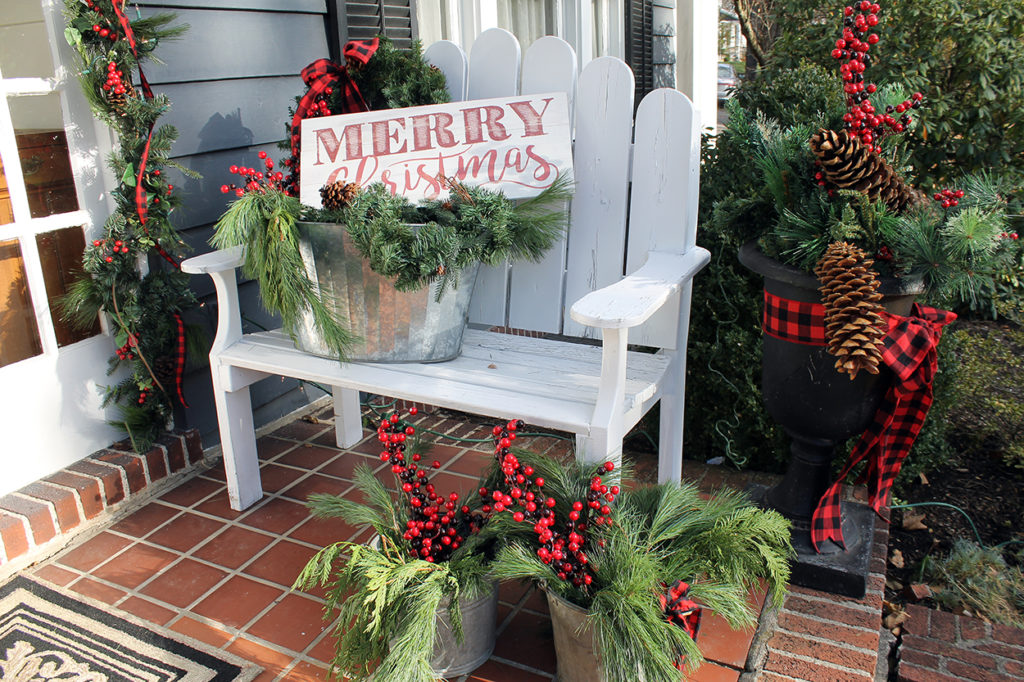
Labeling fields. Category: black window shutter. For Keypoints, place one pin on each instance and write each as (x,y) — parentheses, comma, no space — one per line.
(640,45)
(364,19)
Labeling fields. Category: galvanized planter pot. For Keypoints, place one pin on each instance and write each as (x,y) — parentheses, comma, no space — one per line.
(574,645)
(479,623)
(394,326)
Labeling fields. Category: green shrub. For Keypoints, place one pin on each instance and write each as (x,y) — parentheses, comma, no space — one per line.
(978,579)
(966,60)
(989,414)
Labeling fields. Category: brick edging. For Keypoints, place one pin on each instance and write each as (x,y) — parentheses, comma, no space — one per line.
(819,636)
(937,646)
(43,515)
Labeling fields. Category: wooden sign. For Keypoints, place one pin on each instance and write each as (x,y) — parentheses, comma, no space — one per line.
(516,144)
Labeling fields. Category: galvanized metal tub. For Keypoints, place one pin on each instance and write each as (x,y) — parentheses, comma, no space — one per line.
(479,624)
(394,326)
(574,642)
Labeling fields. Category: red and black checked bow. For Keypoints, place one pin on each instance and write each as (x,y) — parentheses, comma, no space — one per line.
(679,610)
(794,321)
(909,350)
(323,74)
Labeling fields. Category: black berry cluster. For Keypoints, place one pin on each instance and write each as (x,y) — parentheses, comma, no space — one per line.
(437,525)
(853,50)
(563,542)
(254,180)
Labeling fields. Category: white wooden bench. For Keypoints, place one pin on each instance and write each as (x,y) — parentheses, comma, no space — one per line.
(634,211)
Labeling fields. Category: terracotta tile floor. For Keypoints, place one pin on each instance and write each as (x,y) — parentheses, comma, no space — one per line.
(188,562)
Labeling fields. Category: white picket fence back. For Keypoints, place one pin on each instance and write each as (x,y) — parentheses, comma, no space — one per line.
(631,196)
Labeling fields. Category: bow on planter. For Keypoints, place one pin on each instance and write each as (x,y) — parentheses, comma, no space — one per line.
(323,74)
(679,610)
(910,352)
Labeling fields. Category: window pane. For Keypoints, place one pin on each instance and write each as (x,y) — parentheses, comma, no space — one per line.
(6,210)
(19,336)
(432,18)
(43,150)
(24,46)
(526,19)
(60,253)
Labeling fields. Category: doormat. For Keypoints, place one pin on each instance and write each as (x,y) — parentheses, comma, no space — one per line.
(51,635)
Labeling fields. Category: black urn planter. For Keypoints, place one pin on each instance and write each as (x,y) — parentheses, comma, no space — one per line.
(819,408)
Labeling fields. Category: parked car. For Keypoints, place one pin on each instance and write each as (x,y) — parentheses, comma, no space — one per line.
(727,81)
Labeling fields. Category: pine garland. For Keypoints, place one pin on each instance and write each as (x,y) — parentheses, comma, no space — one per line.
(144,311)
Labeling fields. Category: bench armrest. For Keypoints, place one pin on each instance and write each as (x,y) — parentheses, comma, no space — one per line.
(633,299)
(214,261)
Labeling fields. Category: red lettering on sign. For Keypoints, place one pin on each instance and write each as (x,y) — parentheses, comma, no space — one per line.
(425,124)
(383,136)
(477,117)
(352,136)
(531,119)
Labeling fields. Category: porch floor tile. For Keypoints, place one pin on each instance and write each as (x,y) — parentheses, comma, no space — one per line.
(188,562)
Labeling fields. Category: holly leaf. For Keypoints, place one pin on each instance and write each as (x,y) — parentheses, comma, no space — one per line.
(121,338)
(128,177)
(73,36)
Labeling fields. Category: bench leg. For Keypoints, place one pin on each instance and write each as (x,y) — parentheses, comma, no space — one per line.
(598,448)
(238,443)
(670,439)
(348,419)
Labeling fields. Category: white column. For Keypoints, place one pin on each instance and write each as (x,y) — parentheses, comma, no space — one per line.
(697,57)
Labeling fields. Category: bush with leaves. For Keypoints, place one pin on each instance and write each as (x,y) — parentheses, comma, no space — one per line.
(965,58)
(653,536)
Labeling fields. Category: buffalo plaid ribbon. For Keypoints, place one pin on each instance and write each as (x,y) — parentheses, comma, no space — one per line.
(909,350)
(794,321)
(679,610)
(323,74)
(179,361)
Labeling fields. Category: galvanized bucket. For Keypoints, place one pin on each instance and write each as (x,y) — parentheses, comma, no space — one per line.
(394,326)
(574,642)
(479,623)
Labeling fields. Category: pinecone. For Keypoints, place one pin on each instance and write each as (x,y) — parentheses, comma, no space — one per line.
(337,195)
(165,369)
(848,164)
(853,327)
(118,101)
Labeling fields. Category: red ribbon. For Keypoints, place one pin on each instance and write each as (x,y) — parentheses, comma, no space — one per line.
(679,610)
(323,74)
(179,364)
(910,351)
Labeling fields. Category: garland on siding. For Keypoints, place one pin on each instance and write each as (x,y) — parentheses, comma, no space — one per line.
(144,310)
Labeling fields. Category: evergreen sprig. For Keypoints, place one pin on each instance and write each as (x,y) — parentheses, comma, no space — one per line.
(384,602)
(721,546)
(141,308)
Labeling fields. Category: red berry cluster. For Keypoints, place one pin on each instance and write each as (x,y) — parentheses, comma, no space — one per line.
(853,50)
(948,198)
(320,104)
(112,247)
(107,31)
(437,524)
(114,83)
(255,180)
(1010,235)
(125,352)
(561,545)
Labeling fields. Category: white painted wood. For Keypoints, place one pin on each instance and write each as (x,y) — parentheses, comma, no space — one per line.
(449,57)
(596,392)
(663,207)
(494,63)
(536,296)
(348,419)
(633,299)
(604,122)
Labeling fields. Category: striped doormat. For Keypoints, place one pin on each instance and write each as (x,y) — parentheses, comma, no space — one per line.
(50,635)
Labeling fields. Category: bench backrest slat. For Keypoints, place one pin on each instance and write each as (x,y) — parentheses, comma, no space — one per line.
(660,166)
